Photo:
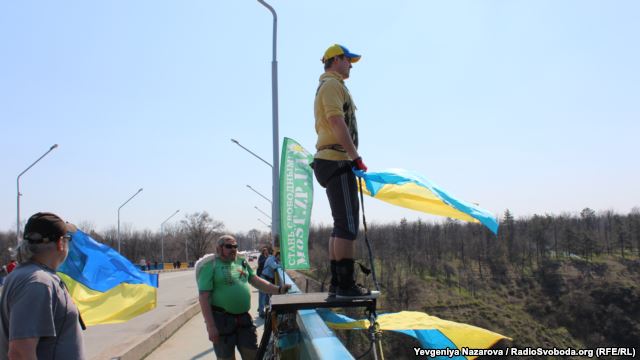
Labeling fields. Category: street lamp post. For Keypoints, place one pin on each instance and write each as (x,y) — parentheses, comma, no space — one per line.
(251,152)
(125,203)
(162,234)
(257,192)
(275,205)
(186,250)
(263,213)
(267,225)
(18,186)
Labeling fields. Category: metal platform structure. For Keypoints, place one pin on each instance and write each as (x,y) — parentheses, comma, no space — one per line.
(290,303)
(294,330)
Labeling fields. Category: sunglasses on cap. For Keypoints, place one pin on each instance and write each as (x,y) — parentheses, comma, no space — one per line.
(37,238)
(230,246)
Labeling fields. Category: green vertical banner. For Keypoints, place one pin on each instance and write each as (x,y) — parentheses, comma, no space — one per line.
(296,200)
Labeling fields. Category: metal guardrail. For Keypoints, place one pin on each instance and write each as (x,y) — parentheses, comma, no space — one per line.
(316,340)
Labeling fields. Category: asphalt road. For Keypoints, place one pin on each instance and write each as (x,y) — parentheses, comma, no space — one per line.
(177,291)
(191,341)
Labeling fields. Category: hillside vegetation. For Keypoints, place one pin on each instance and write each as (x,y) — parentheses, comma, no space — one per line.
(545,281)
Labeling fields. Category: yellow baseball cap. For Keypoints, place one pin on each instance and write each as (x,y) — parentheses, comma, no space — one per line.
(336,49)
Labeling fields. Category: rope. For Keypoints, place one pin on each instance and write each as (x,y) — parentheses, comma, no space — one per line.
(366,238)
(374,327)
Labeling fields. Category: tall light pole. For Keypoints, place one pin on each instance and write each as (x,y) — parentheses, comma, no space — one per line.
(186,250)
(18,186)
(251,152)
(125,203)
(263,213)
(275,207)
(267,225)
(162,234)
(257,192)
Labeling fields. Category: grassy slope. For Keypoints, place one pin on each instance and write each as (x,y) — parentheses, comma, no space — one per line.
(569,303)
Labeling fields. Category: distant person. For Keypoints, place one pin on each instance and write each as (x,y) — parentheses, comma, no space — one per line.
(38,318)
(225,299)
(337,153)
(11,265)
(262,297)
(264,254)
(3,274)
(271,265)
(148,263)
(178,263)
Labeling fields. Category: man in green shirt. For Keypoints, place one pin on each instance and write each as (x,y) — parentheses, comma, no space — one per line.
(225,300)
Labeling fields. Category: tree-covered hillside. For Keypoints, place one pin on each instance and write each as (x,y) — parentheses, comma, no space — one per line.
(545,281)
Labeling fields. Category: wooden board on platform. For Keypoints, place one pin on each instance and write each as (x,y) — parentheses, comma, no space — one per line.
(294,302)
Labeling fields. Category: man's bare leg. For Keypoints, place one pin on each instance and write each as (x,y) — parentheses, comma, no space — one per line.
(343,249)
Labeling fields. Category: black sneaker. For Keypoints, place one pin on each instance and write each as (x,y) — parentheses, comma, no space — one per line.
(332,290)
(356,291)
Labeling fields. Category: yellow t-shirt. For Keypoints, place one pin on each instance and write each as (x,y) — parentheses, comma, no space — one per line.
(333,98)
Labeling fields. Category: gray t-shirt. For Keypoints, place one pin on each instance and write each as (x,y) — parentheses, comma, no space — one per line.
(34,304)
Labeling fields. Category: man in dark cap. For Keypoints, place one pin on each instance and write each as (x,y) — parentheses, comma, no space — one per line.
(38,319)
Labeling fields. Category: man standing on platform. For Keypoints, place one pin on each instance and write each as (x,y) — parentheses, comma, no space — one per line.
(337,153)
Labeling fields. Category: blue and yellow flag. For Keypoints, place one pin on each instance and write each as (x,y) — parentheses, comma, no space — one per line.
(432,332)
(106,287)
(410,190)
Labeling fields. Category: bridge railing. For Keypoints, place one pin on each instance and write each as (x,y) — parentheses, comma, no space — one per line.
(315,341)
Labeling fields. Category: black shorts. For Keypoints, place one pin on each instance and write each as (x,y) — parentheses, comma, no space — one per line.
(342,192)
(234,330)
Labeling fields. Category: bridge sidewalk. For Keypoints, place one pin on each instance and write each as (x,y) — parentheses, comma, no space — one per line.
(191,340)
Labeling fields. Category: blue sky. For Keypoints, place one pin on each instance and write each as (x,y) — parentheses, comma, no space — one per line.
(527,105)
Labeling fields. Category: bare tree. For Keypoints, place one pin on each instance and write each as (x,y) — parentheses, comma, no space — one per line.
(634,218)
(7,240)
(86,226)
(200,229)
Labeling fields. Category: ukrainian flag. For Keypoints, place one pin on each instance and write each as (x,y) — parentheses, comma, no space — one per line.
(432,332)
(413,191)
(106,287)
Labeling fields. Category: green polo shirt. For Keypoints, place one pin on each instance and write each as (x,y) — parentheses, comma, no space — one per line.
(228,283)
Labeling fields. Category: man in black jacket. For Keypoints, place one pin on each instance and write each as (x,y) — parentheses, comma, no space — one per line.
(262,297)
